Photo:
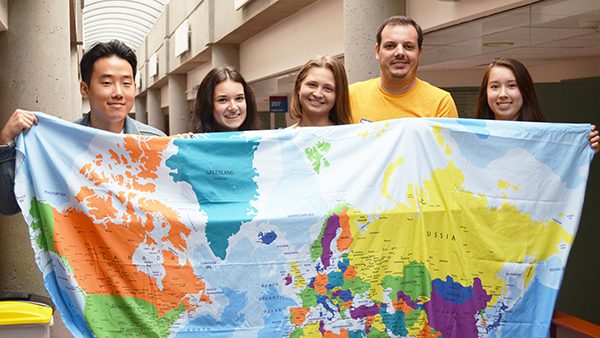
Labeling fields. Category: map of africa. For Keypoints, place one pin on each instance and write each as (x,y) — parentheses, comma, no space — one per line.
(404,228)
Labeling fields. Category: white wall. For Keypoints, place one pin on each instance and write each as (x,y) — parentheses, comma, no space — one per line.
(164,96)
(547,72)
(565,70)
(453,78)
(434,14)
(317,29)
(194,77)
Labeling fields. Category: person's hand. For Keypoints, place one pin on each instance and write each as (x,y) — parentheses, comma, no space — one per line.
(595,139)
(21,120)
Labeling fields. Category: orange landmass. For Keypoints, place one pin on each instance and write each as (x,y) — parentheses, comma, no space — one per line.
(329,334)
(350,272)
(426,332)
(401,305)
(100,248)
(321,280)
(345,239)
(298,315)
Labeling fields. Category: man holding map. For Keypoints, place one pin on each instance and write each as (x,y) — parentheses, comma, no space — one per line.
(107,81)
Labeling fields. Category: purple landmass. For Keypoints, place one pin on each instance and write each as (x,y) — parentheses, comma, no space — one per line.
(451,319)
(288,280)
(364,311)
(333,223)
(407,300)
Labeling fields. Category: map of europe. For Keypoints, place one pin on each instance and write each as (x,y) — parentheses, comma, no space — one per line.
(403,228)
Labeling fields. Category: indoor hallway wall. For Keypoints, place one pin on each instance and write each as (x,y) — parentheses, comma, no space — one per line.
(547,72)
(35,74)
(288,44)
(434,14)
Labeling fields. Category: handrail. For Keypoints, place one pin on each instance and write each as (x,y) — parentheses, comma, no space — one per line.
(574,324)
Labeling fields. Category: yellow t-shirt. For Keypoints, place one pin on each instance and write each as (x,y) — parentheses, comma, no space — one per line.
(370,102)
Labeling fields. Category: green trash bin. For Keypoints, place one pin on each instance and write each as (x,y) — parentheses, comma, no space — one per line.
(25,315)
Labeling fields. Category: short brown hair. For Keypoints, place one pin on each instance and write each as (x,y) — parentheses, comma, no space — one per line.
(400,20)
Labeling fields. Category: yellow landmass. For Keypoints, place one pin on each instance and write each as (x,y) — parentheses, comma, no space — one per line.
(311,330)
(388,175)
(377,323)
(437,133)
(299,281)
(374,132)
(502,184)
(452,232)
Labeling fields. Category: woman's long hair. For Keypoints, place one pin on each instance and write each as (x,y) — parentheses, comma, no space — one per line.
(340,113)
(203,120)
(530,111)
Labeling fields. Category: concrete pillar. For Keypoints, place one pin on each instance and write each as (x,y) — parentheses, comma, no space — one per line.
(76,101)
(35,56)
(3,15)
(361,21)
(178,105)
(155,116)
(225,54)
(34,59)
(141,113)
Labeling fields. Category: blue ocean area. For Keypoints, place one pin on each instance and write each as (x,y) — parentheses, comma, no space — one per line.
(222,327)
(296,188)
(277,320)
(44,134)
(484,141)
(220,169)
(69,311)
(535,309)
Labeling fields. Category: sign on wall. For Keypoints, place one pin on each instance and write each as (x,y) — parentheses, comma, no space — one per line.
(278,104)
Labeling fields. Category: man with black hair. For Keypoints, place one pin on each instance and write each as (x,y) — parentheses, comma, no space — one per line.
(397,92)
(107,81)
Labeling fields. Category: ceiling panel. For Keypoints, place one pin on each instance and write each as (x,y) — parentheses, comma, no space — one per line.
(126,20)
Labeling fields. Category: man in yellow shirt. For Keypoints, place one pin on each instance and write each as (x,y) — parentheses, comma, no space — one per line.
(397,92)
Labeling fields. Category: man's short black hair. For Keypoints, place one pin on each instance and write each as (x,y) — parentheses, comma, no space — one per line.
(105,49)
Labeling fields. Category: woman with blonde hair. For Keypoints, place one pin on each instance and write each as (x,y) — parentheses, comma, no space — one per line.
(320,95)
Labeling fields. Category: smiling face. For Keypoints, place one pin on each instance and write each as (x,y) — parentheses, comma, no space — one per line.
(229,105)
(111,93)
(317,94)
(503,94)
(398,53)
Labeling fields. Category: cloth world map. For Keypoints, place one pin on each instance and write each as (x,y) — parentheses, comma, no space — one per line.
(403,228)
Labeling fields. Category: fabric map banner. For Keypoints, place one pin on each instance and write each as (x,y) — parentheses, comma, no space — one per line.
(403,228)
